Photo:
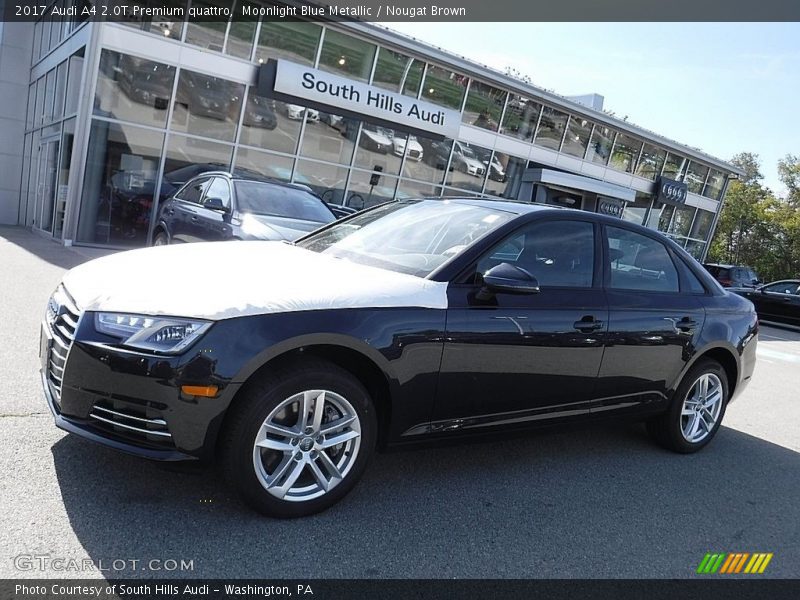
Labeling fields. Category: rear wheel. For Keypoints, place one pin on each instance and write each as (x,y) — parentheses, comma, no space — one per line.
(697,410)
(299,439)
(161,239)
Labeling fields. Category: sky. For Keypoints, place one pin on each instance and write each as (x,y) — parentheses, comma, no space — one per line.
(721,87)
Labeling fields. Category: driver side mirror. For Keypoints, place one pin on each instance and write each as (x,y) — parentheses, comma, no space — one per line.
(216,204)
(510,279)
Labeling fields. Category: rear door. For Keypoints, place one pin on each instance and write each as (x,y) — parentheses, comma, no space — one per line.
(655,318)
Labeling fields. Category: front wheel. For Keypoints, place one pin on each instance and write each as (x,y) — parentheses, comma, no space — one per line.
(161,239)
(299,439)
(696,412)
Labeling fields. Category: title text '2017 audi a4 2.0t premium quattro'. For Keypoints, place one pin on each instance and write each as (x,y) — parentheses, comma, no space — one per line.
(414,320)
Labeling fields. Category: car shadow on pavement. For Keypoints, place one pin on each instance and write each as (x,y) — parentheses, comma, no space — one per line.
(48,250)
(601,502)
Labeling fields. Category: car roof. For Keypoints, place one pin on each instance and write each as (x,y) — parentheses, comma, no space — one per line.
(256,177)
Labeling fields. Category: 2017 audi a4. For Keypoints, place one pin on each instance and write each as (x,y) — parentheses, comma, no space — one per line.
(414,320)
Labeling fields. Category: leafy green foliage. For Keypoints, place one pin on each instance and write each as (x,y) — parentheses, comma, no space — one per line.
(756,228)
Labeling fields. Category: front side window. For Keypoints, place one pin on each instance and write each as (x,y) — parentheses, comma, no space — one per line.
(557,253)
(220,189)
(638,262)
(783,287)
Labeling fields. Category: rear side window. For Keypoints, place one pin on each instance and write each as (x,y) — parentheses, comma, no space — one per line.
(638,262)
(219,188)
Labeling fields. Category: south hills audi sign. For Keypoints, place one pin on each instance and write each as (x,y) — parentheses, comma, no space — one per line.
(669,191)
(331,93)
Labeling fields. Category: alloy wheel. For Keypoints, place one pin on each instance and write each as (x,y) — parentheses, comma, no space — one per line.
(701,408)
(307,445)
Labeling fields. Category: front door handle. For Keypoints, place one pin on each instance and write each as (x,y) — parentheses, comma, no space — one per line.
(687,324)
(587,324)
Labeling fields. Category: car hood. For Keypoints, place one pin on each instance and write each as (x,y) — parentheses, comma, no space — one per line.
(376,137)
(222,280)
(276,228)
(476,164)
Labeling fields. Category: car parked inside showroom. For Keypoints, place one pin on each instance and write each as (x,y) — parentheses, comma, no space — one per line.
(777,302)
(413,321)
(220,206)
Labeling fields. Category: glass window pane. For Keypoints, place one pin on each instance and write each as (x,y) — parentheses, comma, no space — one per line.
(295,41)
(62,189)
(49,95)
(682,221)
(416,189)
(521,117)
(333,144)
(696,177)
(266,124)
(55,31)
(675,166)
(599,149)
(397,72)
(118,185)
(61,90)
(695,248)
(346,55)
(31,106)
(636,211)
(133,89)
(444,87)
(551,128)
(208,34)
(327,181)
(363,193)
(242,32)
(713,187)
(484,106)
(665,218)
(505,175)
(167,29)
(74,83)
(469,166)
(577,138)
(188,157)
(207,106)
(37,39)
(702,224)
(626,151)
(651,162)
(381,149)
(39,114)
(640,263)
(253,162)
(431,167)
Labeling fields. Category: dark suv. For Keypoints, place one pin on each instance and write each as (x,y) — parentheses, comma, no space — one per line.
(733,276)
(216,206)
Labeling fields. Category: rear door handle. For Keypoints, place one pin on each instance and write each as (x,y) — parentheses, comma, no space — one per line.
(588,324)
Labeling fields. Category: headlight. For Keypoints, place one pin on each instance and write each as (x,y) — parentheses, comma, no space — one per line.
(157,334)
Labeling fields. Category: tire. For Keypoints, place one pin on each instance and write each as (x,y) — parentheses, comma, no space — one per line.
(161,239)
(678,429)
(261,473)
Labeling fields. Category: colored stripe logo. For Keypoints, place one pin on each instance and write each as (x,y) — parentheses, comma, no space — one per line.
(734,562)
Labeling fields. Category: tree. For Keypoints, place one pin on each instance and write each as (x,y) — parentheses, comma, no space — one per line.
(789,173)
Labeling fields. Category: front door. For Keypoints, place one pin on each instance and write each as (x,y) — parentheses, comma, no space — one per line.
(512,359)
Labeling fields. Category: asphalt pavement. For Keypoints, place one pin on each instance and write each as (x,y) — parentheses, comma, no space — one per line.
(588,502)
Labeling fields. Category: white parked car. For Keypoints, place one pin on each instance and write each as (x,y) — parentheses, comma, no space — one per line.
(295,113)
(465,159)
(399,144)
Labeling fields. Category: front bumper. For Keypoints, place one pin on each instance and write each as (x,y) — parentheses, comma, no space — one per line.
(132,401)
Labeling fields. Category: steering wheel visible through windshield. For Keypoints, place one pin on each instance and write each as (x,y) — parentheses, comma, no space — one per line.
(412,236)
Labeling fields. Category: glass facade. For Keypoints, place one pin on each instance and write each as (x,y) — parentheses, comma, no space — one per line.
(156,123)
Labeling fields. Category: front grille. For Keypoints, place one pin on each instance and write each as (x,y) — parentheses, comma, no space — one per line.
(413,153)
(62,320)
(140,424)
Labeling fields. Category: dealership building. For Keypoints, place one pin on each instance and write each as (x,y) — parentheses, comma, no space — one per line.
(99,121)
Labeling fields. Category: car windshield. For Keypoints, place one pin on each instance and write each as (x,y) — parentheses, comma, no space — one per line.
(467,151)
(411,236)
(280,201)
